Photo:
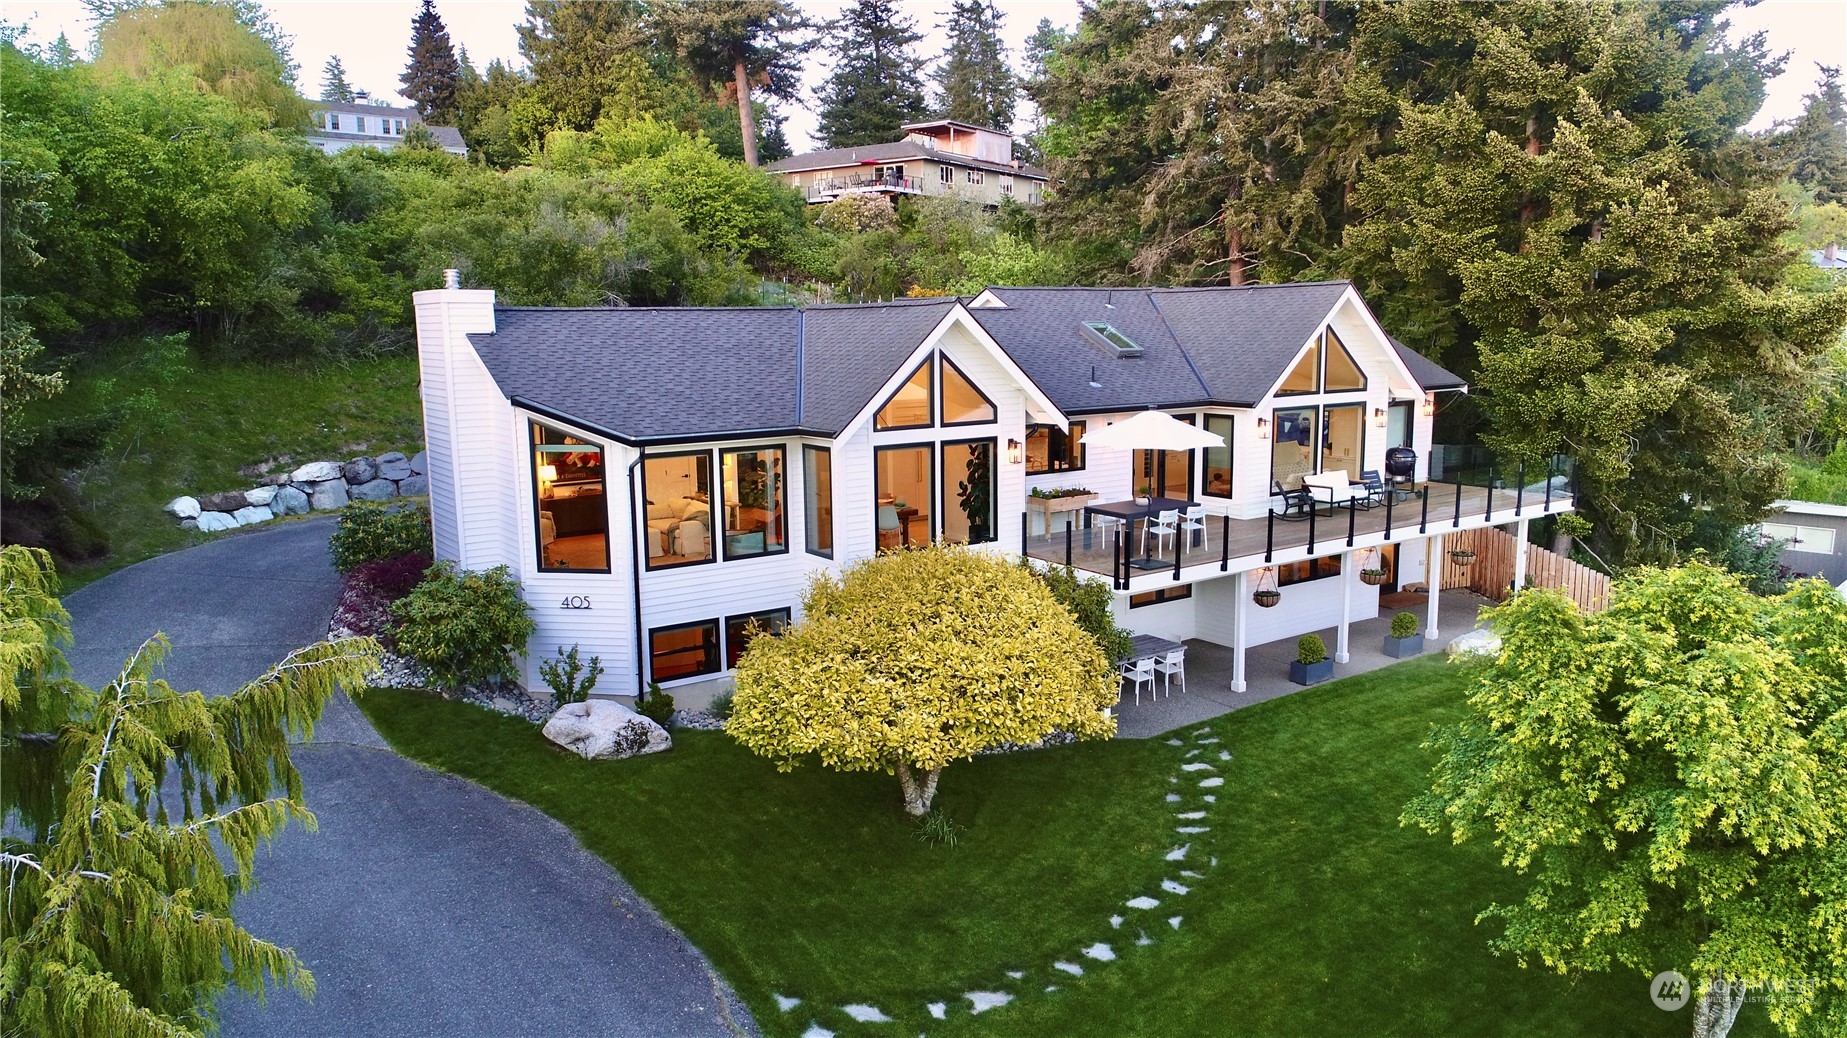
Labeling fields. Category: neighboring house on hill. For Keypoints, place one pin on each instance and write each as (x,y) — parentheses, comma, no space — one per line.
(1816,536)
(943,157)
(657,478)
(338,125)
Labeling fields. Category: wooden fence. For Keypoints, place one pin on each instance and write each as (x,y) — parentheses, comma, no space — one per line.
(1492,573)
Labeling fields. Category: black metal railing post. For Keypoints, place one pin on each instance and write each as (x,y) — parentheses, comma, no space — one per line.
(1115,558)
(1269,536)
(1312,513)
(1390,496)
(1488,514)
(1068,535)
(1353,509)
(1026,528)
(1547,509)
(1179,544)
(1457,520)
(1225,542)
(1520,490)
(1423,518)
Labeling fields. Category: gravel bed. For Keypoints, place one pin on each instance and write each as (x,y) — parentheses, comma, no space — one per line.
(399,672)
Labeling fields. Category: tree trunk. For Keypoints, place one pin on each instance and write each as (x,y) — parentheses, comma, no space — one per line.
(919,791)
(747,119)
(1717,1008)
(1234,236)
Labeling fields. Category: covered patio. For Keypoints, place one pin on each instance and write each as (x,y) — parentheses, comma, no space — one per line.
(1209,668)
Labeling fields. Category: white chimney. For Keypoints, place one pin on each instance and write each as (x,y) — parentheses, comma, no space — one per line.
(452,278)
(1830,252)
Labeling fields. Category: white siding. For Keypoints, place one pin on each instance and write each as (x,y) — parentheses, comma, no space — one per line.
(1176,620)
(457,417)
(1311,606)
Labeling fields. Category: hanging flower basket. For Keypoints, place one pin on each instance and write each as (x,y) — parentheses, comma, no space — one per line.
(1267,597)
(1462,557)
(1375,577)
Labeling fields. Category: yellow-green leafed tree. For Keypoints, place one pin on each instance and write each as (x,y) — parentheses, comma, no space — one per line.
(914,659)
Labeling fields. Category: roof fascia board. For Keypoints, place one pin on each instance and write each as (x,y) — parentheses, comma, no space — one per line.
(1046,409)
(554,415)
(1384,340)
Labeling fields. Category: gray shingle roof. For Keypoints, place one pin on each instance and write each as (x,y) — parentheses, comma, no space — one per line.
(666,374)
(897,151)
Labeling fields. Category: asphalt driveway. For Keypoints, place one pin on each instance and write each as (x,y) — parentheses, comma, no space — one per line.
(425,905)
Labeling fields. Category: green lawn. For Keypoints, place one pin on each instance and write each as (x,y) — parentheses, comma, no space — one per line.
(214,418)
(1323,916)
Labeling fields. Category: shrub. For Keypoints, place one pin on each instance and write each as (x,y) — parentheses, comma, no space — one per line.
(370,531)
(367,593)
(938,829)
(568,679)
(1404,625)
(656,706)
(464,627)
(721,704)
(1089,602)
(1310,649)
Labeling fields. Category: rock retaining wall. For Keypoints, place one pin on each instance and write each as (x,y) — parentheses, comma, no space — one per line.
(317,486)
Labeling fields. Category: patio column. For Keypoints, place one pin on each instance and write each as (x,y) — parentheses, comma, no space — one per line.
(1346,605)
(1433,579)
(1240,604)
(1520,551)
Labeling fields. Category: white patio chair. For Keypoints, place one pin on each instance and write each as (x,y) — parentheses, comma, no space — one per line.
(1190,525)
(1164,525)
(1169,665)
(1139,672)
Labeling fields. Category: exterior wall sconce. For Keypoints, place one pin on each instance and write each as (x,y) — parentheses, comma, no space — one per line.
(1013,452)
(1430,404)
(1378,417)
(1263,428)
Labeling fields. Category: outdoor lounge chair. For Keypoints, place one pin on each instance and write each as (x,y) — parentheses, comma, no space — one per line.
(1375,488)
(1297,504)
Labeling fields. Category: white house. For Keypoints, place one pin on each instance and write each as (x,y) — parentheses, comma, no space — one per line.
(338,125)
(660,477)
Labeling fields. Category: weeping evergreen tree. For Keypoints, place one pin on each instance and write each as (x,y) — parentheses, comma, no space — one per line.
(117,914)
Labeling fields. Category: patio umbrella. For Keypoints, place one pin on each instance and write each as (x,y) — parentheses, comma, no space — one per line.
(1153,431)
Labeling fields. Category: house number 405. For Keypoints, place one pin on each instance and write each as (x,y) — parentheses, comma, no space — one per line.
(577,602)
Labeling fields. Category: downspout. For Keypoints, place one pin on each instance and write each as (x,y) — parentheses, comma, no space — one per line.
(635,538)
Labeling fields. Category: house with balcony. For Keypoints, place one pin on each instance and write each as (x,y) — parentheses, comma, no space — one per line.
(337,125)
(942,157)
(660,478)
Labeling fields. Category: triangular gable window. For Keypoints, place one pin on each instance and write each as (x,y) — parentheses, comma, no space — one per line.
(1306,378)
(910,407)
(963,404)
(1343,373)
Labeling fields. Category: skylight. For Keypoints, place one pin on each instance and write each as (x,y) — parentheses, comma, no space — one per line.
(1115,340)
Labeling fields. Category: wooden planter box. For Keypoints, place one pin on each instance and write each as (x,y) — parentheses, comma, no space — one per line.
(1404,648)
(1050,506)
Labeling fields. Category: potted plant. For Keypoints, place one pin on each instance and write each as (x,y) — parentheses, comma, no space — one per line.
(1462,557)
(1374,576)
(973,495)
(1404,640)
(1144,494)
(1311,666)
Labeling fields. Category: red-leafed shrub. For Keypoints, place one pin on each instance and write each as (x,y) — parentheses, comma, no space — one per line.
(368,591)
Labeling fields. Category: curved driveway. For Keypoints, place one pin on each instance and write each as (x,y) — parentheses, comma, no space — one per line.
(425,904)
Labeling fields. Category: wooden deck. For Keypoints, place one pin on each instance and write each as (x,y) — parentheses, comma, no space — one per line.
(1232,540)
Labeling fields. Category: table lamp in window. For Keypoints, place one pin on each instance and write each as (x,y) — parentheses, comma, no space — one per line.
(547,475)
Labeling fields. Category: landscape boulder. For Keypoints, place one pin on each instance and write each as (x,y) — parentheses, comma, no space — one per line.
(376,490)
(260,495)
(252,514)
(229,501)
(213,522)
(1475,643)
(184,508)
(316,472)
(414,485)
(289,501)
(599,729)
(328,493)
(360,470)
(420,463)
(277,479)
(393,465)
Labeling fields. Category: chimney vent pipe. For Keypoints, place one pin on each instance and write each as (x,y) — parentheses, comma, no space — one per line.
(452,278)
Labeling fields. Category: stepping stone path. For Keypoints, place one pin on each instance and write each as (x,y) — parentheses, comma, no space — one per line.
(1199,810)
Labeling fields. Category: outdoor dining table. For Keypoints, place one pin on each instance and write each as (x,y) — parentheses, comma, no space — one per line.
(1148,646)
(1131,512)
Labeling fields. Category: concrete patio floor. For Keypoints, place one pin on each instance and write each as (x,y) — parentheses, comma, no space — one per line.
(1266,669)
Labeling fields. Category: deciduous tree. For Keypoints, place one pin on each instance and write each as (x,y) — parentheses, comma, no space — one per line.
(914,659)
(1670,776)
(229,54)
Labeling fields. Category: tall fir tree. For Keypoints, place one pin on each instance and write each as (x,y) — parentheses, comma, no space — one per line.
(431,78)
(876,85)
(583,53)
(744,43)
(61,54)
(973,79)
(1040,51)
(334,86)
(1818,140)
